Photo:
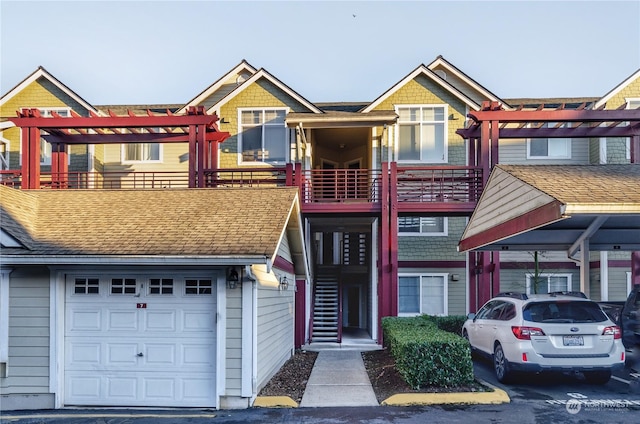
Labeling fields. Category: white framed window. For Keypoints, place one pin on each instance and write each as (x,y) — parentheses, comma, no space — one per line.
(423,226)
(141,152)
(85,285)
(124,286)
(263,136)
(548,283)
(193,286)
(4,152)
(422,133)
(422,294)
(549,148)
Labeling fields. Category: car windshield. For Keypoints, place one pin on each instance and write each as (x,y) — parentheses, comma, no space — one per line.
(563,311)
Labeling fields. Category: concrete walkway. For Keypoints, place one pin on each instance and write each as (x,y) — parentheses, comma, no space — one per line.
(338,378)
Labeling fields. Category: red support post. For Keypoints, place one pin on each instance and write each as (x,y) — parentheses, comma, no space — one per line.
(495,139)
(635,149)
(300,314)
(473,281)
(495,273)
(384,301)
(200,145)
(485,160)
(192,156)
(30,158)
(635,268)
(393,239)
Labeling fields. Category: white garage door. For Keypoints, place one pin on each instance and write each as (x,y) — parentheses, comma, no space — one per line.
(140,341)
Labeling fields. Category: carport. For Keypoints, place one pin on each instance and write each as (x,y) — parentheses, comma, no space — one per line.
(577,209)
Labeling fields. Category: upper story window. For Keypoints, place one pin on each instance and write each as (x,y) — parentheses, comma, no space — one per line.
(549,148)
(422,226)
(141,152)
(45,146)
(422,133)
(263,136)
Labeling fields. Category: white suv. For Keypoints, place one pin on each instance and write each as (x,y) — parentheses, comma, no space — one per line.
(550,332)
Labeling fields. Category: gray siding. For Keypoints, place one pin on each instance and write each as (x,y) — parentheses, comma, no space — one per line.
(617,150)
(28,366)
(514,152)
(233,352)
(275,330)
(428,248)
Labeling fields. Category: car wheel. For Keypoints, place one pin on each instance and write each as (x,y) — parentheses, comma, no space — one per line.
(597,377)
(501,365)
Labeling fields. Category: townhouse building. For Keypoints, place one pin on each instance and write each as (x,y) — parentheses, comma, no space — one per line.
(383,193)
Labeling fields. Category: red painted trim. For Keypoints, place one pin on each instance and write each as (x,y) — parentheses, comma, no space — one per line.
(432,264)
(300,307)
(542,265)
(473,282)
(555,115)
(543,215)
(283,264)
(484,152)
(495,136)
(217,137)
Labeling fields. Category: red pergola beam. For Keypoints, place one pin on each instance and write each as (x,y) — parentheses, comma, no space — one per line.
(115,138)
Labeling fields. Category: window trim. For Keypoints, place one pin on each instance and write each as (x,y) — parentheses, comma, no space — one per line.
(567,155)
(443,233)
(445,132)
(287,141)
(421,276)
(548,275)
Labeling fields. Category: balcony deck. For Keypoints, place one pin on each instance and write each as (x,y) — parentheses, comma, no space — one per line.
(444,189)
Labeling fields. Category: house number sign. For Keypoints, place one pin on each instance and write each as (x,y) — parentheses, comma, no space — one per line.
(141,305)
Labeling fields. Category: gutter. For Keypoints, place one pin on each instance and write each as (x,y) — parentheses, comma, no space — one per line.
(133,260)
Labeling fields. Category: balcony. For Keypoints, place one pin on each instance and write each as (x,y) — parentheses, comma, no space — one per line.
(446,189)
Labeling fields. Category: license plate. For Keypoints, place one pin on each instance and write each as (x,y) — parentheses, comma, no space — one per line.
(573,340)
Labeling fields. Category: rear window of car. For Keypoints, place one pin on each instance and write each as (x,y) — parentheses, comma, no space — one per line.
(563,311)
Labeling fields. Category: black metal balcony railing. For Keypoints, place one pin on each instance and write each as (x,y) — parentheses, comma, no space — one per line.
(412,185)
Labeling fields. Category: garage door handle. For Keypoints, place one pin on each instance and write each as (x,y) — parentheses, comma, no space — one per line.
(140,354)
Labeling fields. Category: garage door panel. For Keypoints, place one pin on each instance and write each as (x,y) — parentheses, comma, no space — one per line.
(147,350)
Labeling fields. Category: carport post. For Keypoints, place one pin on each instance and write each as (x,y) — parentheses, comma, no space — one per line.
(584,266)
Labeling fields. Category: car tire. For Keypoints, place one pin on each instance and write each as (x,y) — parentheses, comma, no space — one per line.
(501,365)
(597,377)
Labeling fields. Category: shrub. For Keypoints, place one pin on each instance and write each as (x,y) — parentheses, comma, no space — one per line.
(426,355)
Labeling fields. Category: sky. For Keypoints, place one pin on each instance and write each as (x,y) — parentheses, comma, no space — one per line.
(152,52)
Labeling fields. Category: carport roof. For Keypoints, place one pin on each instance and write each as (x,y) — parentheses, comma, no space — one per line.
(554,207)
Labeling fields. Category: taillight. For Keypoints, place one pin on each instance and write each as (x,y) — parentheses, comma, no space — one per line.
(525,333)
(612,330)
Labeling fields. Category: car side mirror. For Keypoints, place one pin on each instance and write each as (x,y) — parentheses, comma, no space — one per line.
(471,316)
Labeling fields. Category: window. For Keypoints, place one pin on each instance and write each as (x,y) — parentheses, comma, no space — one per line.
(549,148)
(422,134)
(161,286)
(422,294)
(141,152)
(197,286)
(263,136)
(422,226)
(86,286)
(548,283)
(123,286)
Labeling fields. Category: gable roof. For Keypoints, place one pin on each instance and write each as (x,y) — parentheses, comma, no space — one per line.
(423,70)
(43,73)
(617,89)
(262,73)
(441,61)
(243,66)
(177,223)
(550,207)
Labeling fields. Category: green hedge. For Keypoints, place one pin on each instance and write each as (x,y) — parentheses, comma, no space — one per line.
(425,355)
